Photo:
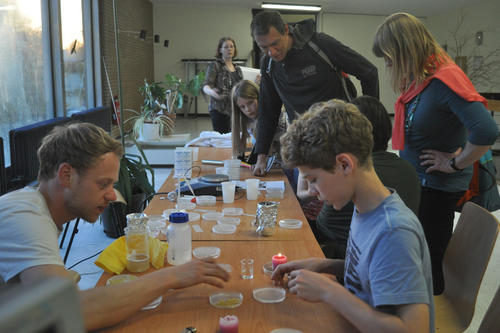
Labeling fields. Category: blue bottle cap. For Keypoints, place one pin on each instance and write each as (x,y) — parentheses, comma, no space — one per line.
(178,217)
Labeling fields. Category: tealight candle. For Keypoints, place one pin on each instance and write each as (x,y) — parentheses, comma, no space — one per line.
(278,259)
(228,324)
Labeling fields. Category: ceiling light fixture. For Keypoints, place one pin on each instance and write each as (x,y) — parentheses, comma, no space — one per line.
(282,6)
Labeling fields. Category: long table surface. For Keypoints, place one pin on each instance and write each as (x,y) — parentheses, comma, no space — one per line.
(190,307)
(289,207)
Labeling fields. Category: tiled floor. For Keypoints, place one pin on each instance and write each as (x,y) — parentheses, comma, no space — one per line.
(91,238)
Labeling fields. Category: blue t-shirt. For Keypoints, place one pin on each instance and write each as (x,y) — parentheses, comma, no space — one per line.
(387,260)
(444,121)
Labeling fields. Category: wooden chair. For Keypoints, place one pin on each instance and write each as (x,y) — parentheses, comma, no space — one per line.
(464,264)
(491,319)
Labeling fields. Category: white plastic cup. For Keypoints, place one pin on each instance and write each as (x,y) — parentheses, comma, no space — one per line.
(252,188)
(228,189)
(233,168)
(221,171)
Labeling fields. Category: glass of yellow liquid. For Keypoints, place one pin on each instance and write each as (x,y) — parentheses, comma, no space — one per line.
(137,248)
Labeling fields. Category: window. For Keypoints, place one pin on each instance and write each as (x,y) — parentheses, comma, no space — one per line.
(73,55)
(23,78)
(46,67)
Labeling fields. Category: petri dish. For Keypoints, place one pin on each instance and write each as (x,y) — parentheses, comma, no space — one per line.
(228,268)
(193,216)
(224,229)
(229,220)
(226,300)
(290,224)
(205,200)
(185,205)
(269,294)
(267,268)
(206,252)
(123,278)
(285,330)
(212,216)
(232,211)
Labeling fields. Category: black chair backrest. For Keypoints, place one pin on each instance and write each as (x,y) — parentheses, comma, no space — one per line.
(24,143)
(3,176)
(100,116)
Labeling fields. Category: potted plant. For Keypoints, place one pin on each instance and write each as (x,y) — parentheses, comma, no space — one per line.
(155,119)
(181,94)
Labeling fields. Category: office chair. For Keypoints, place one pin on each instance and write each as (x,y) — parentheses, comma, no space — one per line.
(464,264)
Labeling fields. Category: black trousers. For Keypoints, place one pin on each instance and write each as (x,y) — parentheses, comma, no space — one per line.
(436,214)
(220,122)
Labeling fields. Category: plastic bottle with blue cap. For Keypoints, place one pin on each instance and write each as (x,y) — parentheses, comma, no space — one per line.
(179,239)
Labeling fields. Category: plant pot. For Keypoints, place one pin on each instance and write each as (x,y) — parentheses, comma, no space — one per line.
(114,217)
(150,132)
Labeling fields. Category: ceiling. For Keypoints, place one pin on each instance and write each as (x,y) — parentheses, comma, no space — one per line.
(420,8)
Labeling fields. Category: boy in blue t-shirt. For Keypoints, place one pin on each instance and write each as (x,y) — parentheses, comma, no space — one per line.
(387,271)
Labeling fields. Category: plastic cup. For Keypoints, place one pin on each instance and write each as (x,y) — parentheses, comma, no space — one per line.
(228,189)
(221,171)
(252,188)
(247,269)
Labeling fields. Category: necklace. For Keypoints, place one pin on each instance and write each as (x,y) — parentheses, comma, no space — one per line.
(410,113)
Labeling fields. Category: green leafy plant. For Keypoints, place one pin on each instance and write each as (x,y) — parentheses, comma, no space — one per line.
(178,92)
(153,110)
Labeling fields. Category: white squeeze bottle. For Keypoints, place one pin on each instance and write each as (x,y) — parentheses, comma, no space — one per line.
(179,239)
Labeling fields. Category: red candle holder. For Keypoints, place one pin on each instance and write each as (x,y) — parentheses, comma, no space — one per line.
(228,324)
(278,259)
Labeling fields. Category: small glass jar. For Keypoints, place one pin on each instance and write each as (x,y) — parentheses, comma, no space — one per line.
(137,242)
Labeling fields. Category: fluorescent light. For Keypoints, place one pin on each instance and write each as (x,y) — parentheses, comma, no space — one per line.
(310,8)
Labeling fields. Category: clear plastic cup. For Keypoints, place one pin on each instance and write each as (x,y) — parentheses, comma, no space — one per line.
(252,188)
(228,189)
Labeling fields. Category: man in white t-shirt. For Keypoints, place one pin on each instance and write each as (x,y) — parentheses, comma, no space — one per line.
(79,163)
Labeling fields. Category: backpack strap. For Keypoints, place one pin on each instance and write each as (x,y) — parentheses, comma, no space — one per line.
(340,75)
(291,112)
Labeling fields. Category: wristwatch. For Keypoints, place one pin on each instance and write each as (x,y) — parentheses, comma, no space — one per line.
(454,166)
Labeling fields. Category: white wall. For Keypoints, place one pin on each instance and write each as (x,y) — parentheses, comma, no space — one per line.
(483,16)
(193,32)
(357,31)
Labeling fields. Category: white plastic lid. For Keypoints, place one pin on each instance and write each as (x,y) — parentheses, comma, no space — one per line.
(269,294)
(212,216)
(290,224)
(225,229)
(285,330)
(206,252)
(229,220)
(232,211)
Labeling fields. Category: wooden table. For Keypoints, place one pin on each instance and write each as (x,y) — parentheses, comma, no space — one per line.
(190,307)
(289,207)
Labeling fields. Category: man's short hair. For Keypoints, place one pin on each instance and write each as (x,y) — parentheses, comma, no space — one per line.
(376,113)
(263,21)
(79,144)
(326,130)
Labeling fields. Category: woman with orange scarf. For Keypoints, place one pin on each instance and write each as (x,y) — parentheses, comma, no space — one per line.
(441,124)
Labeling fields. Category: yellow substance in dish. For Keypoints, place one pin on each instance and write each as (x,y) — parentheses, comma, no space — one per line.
(229,302)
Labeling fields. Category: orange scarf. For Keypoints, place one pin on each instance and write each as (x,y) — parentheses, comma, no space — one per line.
(451,75)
